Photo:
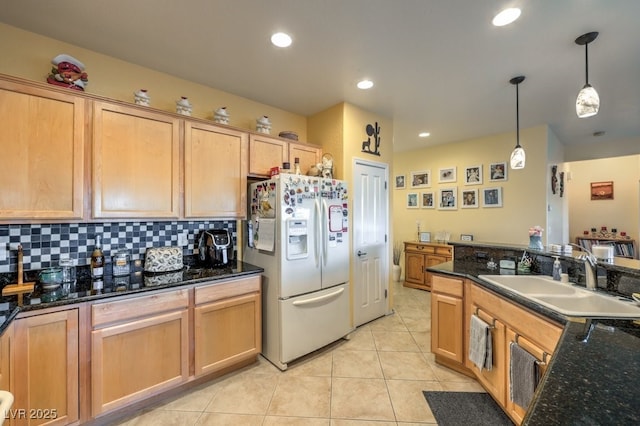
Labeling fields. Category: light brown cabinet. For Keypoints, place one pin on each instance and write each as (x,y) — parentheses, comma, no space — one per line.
(42,161)
(136,162)
(45,357)
(447,312)
(227,324)
(418,257)
(266,152)
(215,171)
(139,347)
(6,341)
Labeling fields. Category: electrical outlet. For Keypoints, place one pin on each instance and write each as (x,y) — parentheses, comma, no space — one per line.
(183,239)
(3,252)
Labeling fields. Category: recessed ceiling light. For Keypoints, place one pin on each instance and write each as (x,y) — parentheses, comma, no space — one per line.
(281,40)
(365,84)
(424,134)
(506,17)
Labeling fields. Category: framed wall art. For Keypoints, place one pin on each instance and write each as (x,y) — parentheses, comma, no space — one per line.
(492,197)
(498,172)
(421,179)
(469,199)
(448,199)
(400,182)
(473,175)
(427,200)
(602,190)
(447,175)
(412,200)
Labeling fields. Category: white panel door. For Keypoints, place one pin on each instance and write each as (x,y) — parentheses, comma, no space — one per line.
(370,223)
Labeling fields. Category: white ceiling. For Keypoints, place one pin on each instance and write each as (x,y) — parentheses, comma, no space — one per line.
(438,65)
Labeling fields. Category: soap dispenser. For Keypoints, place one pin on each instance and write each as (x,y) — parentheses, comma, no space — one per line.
(557,269)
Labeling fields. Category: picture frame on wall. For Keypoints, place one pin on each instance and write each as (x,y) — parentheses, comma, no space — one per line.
(421,179)
(400,182)
(427,200)
(412,200)
(492,197)
(469,199)
(473,175)
(447,175)
(498,172)
(448,199)
(602,190)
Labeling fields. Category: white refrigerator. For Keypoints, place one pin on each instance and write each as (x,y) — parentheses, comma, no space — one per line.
(298,232)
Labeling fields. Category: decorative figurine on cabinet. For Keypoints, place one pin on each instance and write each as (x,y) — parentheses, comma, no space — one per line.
(68,72)
(263,125)
(141,97)
(221,115)
(183,106)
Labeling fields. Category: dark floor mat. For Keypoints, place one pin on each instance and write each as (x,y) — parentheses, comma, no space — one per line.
(465,408)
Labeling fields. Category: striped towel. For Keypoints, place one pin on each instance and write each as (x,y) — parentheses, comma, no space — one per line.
(523,375)
(480,345)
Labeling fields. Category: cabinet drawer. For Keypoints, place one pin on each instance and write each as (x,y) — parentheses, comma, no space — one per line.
(446,251)
(135,307)
(444,285)
(420,248)
(212,292)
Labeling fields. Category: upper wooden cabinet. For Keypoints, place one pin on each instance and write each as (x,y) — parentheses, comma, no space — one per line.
(136,163)
(215,171)
(42,161)
(309,155)
(266,152)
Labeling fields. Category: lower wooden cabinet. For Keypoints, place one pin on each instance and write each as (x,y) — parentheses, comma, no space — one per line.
(227,324)
(418,257)
(139,347)
(447,313)
(45,359)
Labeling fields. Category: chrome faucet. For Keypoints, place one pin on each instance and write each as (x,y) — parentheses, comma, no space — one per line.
(590,267)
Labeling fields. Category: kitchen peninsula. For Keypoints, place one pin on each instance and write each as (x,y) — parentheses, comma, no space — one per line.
(585,381)
(92,352)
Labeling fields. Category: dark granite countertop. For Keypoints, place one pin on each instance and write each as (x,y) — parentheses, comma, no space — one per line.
(587,383)
(86,289)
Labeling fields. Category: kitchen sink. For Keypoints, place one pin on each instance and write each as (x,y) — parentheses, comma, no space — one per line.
(566,299)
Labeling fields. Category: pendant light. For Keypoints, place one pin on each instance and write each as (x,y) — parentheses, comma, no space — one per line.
(588,102)
(518,156)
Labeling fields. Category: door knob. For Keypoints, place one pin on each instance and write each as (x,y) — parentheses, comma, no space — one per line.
(360,253)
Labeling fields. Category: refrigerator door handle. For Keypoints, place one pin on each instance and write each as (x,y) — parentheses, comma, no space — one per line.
(325,230)
(319,298)
(318,238)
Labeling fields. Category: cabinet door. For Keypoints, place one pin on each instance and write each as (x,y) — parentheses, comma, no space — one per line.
(227,332)
(215,171)
(5,359)
(42,160)
(414,264)
(307,154)
(446,326)
(131,361)
(494,381)
(266,152)
(432,260)
(46,362)
(136,156)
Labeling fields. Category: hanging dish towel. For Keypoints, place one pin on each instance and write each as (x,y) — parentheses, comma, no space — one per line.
(522,375)
(480,347)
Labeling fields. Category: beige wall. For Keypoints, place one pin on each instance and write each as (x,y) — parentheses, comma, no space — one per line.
(524,193)
(622,212)
(28,55)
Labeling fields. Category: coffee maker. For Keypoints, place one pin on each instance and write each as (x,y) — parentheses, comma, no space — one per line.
(215,247)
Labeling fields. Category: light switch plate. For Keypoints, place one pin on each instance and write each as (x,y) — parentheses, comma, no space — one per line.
(3,252)
(183,239)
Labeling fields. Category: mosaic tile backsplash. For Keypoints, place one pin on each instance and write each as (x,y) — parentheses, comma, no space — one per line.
(43,244)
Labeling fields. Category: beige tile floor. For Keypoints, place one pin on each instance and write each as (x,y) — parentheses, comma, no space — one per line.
(375,378)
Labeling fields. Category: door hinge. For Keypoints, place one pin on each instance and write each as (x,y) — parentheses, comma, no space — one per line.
(385,184)
(385,238)
(385,293)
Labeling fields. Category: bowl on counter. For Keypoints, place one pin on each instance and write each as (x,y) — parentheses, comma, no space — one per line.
(50,278)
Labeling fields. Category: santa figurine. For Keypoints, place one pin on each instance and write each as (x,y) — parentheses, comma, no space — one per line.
(67,71)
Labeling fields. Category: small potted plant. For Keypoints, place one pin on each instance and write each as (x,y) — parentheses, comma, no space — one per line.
(397,253)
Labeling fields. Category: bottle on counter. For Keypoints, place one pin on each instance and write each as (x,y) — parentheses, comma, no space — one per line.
(296,166)
(97,260)
(557,269)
